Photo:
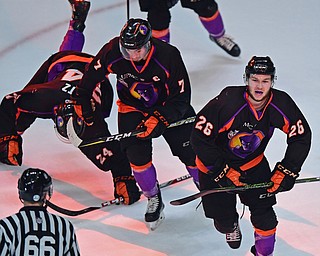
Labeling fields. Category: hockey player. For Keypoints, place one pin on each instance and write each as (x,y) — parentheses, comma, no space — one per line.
(209,15)
(230,136)
(44,97)
(33,230)
(154,90)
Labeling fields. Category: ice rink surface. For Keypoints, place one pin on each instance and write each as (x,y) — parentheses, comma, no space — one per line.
(288,31)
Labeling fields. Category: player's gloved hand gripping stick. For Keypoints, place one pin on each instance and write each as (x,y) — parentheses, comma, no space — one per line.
(78,142)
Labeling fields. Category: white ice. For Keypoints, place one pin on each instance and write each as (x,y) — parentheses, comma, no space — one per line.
(288,31)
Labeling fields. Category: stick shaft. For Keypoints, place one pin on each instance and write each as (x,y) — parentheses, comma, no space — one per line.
(121,136)
(128,9)
(114,201)
(190,198)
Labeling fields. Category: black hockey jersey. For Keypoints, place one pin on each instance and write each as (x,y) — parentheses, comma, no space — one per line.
(228,129)
(159,83)
(51,85)
(68,67)
(59,62)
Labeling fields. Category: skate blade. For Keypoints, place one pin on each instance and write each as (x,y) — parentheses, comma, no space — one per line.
(155,224)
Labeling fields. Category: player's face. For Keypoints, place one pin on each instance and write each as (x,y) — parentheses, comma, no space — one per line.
(136,54)
(259,87)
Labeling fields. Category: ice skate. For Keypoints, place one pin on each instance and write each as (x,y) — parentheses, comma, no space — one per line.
(234,239)
(154,214)
(80,9)
(227,44)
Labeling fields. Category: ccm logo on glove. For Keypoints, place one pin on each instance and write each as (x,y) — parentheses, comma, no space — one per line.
(282,178)
(11,149)
(286,171)
(161,117)
(154,125)
(126,187)
(228,177)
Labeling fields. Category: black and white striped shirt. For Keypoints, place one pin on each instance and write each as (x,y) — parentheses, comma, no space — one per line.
(34,231)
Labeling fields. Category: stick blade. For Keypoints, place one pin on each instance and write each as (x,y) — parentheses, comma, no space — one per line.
(72,135)
(185,200)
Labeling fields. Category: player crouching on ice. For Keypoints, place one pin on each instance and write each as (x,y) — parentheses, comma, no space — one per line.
(45,96)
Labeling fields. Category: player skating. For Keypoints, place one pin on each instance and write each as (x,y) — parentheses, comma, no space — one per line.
(209,15)
(154,90)
(230,136)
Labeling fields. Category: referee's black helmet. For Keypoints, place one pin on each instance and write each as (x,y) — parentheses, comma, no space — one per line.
(34,185)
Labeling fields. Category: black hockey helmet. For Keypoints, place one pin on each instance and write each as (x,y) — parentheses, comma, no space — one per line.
(62,114)
(135,33)
(34,185)
(260,65)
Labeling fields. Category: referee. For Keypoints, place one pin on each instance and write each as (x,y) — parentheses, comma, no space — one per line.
(33,230)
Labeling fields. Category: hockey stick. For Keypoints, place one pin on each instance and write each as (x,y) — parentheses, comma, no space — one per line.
(128,9)
(110,202)
(77,142)
(190,198)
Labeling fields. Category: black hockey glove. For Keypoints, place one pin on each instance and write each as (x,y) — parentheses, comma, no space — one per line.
(154,125)
(126,187)
(11,149)
(282,178)
(228,177)
(83,105)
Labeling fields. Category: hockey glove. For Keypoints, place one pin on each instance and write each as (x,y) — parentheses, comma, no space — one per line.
(83,105)
(11,149)
(282,178)
(227,177)
(154,125)
(126,187)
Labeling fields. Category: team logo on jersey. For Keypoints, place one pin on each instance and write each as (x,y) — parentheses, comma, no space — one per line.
(145,92)
(244,143)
